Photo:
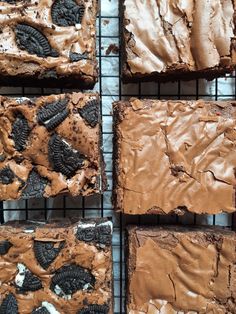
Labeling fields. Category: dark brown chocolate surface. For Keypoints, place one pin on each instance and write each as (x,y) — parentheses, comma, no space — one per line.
(56,268)
(181,270)
(48,43)
(50,145)
(174,156)
(170,40)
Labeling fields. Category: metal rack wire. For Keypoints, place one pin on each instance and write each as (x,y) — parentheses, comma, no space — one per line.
(111,88)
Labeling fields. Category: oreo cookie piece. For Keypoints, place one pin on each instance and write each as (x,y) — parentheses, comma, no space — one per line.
(41,310)
(69,279)
(33,41)
(51,115)
(75,57)
(46,252)
(94,309)
(67,12)
(6,176)
(35,186)
(98,233)
(90,112)
(63,157)
(5,247)
(20,132)
(9,305)
(26,281)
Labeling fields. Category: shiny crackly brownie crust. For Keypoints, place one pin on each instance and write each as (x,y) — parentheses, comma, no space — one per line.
(174,269)
(58,267)
(48,43)
(50,145)
(174,156)
(182,40)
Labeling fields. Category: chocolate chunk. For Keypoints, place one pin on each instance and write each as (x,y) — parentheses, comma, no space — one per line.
(35,186)
(30,283)
(74,56)
(46,252)
(100,234)
(69,279)
(20,132)
(67,12)
(5,247)
(6,176)
(90,113)
(51,115)
(63,158)
(9,305)
(41,310)
(32,40)
(94,309)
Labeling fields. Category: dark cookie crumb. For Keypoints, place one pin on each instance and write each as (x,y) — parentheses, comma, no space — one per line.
(67,12)
(35,186)
(95,309)
(20,132)
(75,57)
(33,41)
(9,305)
(90,112)
(99,234)
(5,247)
(72,278)
(46,252)
(63,158)
(6,176)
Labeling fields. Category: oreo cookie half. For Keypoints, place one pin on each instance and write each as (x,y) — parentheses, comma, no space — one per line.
(67,12)
(90,112)
(9,305)
(26,281)
(20,132)
(71,278)
(46,252)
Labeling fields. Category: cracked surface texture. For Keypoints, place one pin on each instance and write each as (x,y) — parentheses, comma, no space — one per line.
(19,66)
(174,156)
(58,154)
(175,39)
(87,255)
(181,270)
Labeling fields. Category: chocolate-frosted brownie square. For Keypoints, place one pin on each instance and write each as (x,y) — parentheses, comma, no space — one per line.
(57,268)
(174,156)
(181,270)
(48,43)
(50,145)
(170,40)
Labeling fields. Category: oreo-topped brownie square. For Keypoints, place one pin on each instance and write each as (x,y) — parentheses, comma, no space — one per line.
(171,39)
(56,268)
(48,43)
(50,145)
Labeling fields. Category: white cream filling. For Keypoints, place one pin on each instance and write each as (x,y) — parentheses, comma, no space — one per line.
(51,308)
(20,277)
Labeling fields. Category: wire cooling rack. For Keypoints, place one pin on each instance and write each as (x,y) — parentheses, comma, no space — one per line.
(111,89)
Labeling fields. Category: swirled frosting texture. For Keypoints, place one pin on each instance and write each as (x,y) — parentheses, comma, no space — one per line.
(175,156)
(177,270)
(65,40)
(178,36)
(96,260)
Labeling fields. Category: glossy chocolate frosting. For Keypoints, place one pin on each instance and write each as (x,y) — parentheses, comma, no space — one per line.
(65,40)
(73,131)
(174,156)
(173,270)
(94,258)
(178,36)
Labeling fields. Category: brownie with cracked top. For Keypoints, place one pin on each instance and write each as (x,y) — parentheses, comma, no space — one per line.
(48,43)
(181,40)
(50,145)
(59,267)
(181,270)
(174,156)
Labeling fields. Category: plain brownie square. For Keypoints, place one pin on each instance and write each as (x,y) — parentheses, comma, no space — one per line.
(61,267)
(48,43)
(181,270)
(170,40)
(50,145)
(174,156)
